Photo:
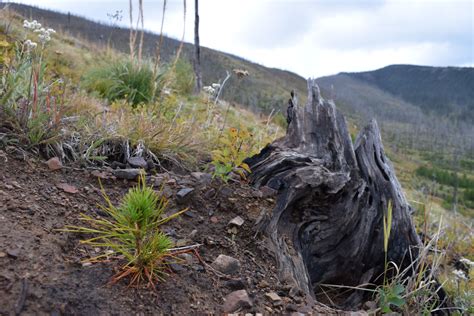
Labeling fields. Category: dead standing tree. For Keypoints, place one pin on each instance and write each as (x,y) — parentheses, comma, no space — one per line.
(326,227)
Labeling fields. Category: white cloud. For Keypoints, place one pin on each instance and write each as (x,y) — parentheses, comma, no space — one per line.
(314,37)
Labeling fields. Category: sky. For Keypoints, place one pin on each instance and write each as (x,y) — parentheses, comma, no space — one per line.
(313,38)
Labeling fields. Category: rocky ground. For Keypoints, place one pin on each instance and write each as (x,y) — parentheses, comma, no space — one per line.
(42,269)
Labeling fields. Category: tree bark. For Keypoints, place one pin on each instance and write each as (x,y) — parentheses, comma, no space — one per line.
(326,227)
(197,50)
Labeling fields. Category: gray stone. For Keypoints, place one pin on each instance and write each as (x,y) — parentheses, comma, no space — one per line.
(137,162)
(13,253)
(129,174)
(236,300)
(226,264)
(177,268)
(184,194)
(201,177)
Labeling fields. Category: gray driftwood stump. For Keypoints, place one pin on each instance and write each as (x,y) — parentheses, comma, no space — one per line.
(327,226)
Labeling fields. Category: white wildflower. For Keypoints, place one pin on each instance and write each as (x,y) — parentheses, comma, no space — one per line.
(209,90)
(216,86)
(466,262)
(30,45)
(460,274)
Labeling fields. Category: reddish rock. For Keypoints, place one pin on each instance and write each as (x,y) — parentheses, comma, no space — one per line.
(236,300)
(67,188)
(54,163)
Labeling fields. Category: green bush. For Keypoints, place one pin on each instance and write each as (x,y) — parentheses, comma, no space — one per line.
(184,73)
(122,80)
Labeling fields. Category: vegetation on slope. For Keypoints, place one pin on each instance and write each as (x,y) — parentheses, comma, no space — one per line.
(44,110)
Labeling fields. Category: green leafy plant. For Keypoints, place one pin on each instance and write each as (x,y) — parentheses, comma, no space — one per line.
(122,80)
(391,295)
(132,231)
(235,146)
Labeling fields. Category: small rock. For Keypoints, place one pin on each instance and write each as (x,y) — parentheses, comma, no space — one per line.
(2,254)
(54,164)
(129,174)
(67,188)
(186,257)
(236,221)
(137,162)
(214,219)
(201,177)
(273,297)
(13,253)
(177,268)
(267,191)
(236,300)
(263,284)
(226,264)
(197,267)
(184,194)
(190,214)
(235,284)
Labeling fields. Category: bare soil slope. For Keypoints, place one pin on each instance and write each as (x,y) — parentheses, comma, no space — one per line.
(41,271)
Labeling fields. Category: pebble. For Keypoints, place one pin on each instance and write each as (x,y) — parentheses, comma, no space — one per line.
(183,194)
(226,264)
(128,174)
(137,162)
(236,300)
(54,164)
(201,177)
(273,297)
(13,253)
(177,268)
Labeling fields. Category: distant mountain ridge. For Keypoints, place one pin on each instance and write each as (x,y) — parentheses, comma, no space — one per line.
(443,90)
(430,108)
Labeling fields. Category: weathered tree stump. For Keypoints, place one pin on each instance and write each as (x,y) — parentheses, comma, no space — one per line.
(327,225)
